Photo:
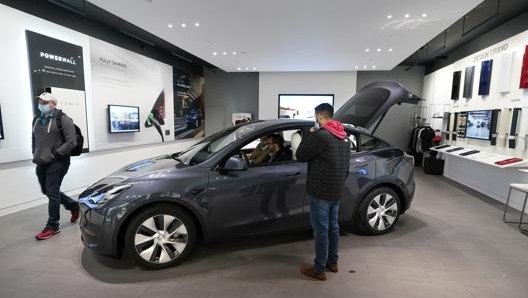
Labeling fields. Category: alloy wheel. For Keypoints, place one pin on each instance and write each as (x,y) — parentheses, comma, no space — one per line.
(382,212)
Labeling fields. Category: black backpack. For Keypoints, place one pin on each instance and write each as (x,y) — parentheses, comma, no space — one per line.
(77,150)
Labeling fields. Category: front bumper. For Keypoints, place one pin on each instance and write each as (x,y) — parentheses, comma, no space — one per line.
(97,234)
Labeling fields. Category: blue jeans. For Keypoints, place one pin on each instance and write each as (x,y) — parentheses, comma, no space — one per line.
(323,216)
(50,178)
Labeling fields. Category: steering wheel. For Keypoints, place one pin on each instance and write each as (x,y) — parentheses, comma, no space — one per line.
(244,156)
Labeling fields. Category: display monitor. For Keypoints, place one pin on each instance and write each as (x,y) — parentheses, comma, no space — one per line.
(123,119)
(301,106)
(478,125)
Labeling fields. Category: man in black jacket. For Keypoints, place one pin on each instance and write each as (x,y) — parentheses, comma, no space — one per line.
(328,157)
(51,152)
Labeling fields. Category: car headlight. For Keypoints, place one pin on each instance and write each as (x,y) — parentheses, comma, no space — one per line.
(99,199)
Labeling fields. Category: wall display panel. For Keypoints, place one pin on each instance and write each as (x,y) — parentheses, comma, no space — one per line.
(121,77)
(301,106)
(524,70)
(478,125)
(504,71)
(469,73)
(494,127)
(455,87)
(53,62)
(485,77)
(189,104)
(461,122)
(513,129)
(1,125)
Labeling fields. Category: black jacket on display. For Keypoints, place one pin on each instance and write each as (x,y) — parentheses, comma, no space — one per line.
(328,160)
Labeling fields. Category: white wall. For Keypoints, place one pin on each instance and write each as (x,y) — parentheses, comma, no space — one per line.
(271,84)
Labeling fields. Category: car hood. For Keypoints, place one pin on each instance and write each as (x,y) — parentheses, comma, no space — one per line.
(151,166)
(367,108)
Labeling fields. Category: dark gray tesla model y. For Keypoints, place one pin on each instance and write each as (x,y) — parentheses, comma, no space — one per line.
(158,209)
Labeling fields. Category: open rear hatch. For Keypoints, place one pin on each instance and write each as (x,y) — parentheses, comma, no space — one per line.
(367,108)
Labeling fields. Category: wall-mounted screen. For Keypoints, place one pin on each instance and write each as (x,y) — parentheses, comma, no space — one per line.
(478,124)
(123,119)
(455,88)
(301,106)
(1,125)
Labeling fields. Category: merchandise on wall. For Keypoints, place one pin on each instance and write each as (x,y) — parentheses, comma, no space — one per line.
(1,125)
(504,71)
(455,87)
(468,81)
(461,123)
(513,129)
(494,131)
(524,70)
(189,105)
(485,77)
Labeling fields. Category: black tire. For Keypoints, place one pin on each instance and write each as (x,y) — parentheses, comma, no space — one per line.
(378,219)
(159,244)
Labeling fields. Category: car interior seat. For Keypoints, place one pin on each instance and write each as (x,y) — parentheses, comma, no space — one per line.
(294,143)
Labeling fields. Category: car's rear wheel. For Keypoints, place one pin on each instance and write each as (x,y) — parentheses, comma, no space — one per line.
(379,211)
(160,237)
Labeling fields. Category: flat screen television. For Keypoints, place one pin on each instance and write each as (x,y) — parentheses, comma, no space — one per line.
(123,119)
(301,106)
(478,125)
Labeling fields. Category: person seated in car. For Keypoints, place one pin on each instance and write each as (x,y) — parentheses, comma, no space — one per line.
(261,152)
(278,152)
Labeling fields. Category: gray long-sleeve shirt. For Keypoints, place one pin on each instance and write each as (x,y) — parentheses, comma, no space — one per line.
(48,144)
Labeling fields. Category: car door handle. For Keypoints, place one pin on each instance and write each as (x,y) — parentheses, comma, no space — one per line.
(196,191)
(294,174)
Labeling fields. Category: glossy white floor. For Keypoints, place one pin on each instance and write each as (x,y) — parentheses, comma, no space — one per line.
(452,243)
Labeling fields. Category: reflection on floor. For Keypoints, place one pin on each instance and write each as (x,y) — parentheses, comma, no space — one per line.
(452,243)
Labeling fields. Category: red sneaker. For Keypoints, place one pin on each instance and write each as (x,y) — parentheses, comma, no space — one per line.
(47,233)
(74,215)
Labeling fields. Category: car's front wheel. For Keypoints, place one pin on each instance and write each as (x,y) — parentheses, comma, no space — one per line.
(379,211)
(160,237)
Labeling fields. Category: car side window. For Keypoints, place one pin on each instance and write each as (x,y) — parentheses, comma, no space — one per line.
(368,142)
(272,148)
(352,141)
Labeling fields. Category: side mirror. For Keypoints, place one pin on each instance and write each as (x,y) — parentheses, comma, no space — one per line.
(235,163)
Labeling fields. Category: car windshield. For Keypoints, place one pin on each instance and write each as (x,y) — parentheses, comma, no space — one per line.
(202,150)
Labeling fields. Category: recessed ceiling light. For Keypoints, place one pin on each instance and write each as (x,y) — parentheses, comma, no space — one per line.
(247,68)
(254,68)
(373,67)
(196,24)
(367,50)
(365,67)
(424,15)
(224,53)
(169,25)
(234,53)
(406,15)
(356,67)
(390,50)
(184,25)
(389,17)
(215,53)
(240,68)
(379,50)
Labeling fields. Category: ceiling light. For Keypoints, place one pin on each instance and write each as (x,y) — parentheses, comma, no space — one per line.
(356,67)
(365,67)
(367,50)
(424,15)
(240,68)
(184,25)
(215,53)
(389,17)
(379,50)
(254,68)
(247,68)
(234,53)
(373,67)
(390,50)
(196,24)
(169,25)
(406,15)
(224,53)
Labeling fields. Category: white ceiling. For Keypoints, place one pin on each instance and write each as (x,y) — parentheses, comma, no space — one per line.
(294,35)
